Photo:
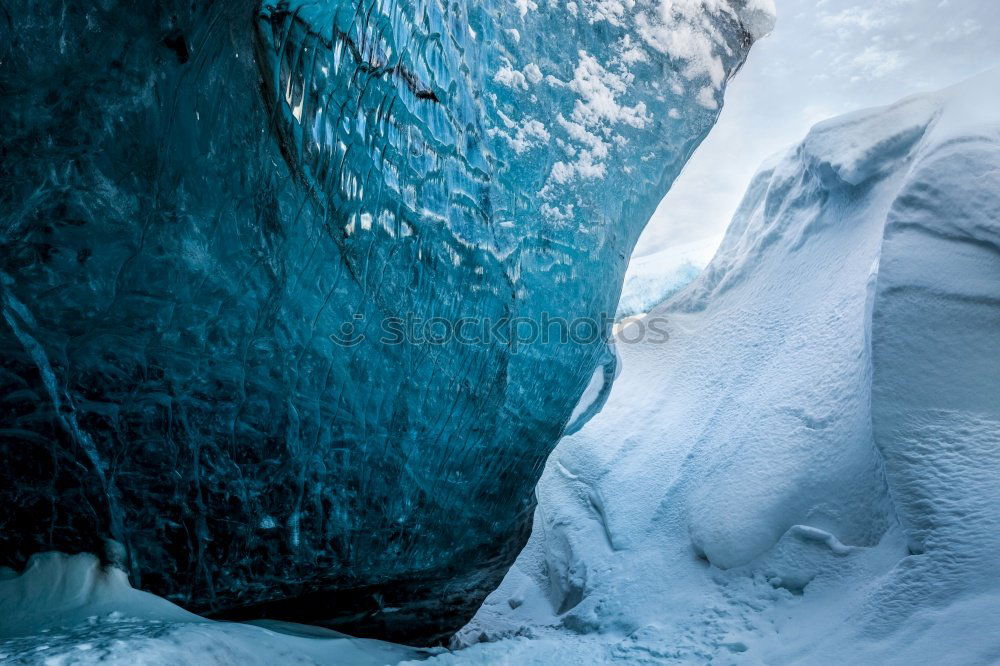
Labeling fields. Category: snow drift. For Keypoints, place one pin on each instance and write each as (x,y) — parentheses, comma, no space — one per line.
(807,470)
(653,278)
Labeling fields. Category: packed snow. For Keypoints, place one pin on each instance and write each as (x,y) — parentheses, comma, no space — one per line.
(806,472)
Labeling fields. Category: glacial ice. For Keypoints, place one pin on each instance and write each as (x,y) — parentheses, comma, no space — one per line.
(196,197)
(807,472)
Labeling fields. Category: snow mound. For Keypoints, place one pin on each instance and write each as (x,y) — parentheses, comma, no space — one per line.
(807,471)
(653,278)
(70,610)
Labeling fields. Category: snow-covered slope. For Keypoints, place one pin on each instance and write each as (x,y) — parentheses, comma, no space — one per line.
(653,278)
(809,470)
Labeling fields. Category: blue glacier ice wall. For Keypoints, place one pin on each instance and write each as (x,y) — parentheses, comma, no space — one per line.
(197,202)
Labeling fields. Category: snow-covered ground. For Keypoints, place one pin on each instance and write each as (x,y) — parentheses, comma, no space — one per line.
(808,471)
(65,610)
(653,278)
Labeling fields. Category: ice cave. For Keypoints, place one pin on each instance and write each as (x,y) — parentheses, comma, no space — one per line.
(499,332)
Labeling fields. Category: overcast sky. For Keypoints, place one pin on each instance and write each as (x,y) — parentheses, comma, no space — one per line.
(824,58)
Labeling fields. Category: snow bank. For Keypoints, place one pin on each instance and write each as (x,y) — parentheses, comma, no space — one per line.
(808,470)
(653,278)
(69,610)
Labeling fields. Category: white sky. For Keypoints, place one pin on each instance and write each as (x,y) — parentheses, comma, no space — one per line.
(824,58)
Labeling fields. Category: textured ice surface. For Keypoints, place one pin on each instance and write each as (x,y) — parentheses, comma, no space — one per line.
(807,472)
(196,196)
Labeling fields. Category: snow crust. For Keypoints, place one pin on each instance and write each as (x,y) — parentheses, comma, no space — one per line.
(807,472)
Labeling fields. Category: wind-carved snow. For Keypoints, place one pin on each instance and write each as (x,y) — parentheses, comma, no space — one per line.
(806,472)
